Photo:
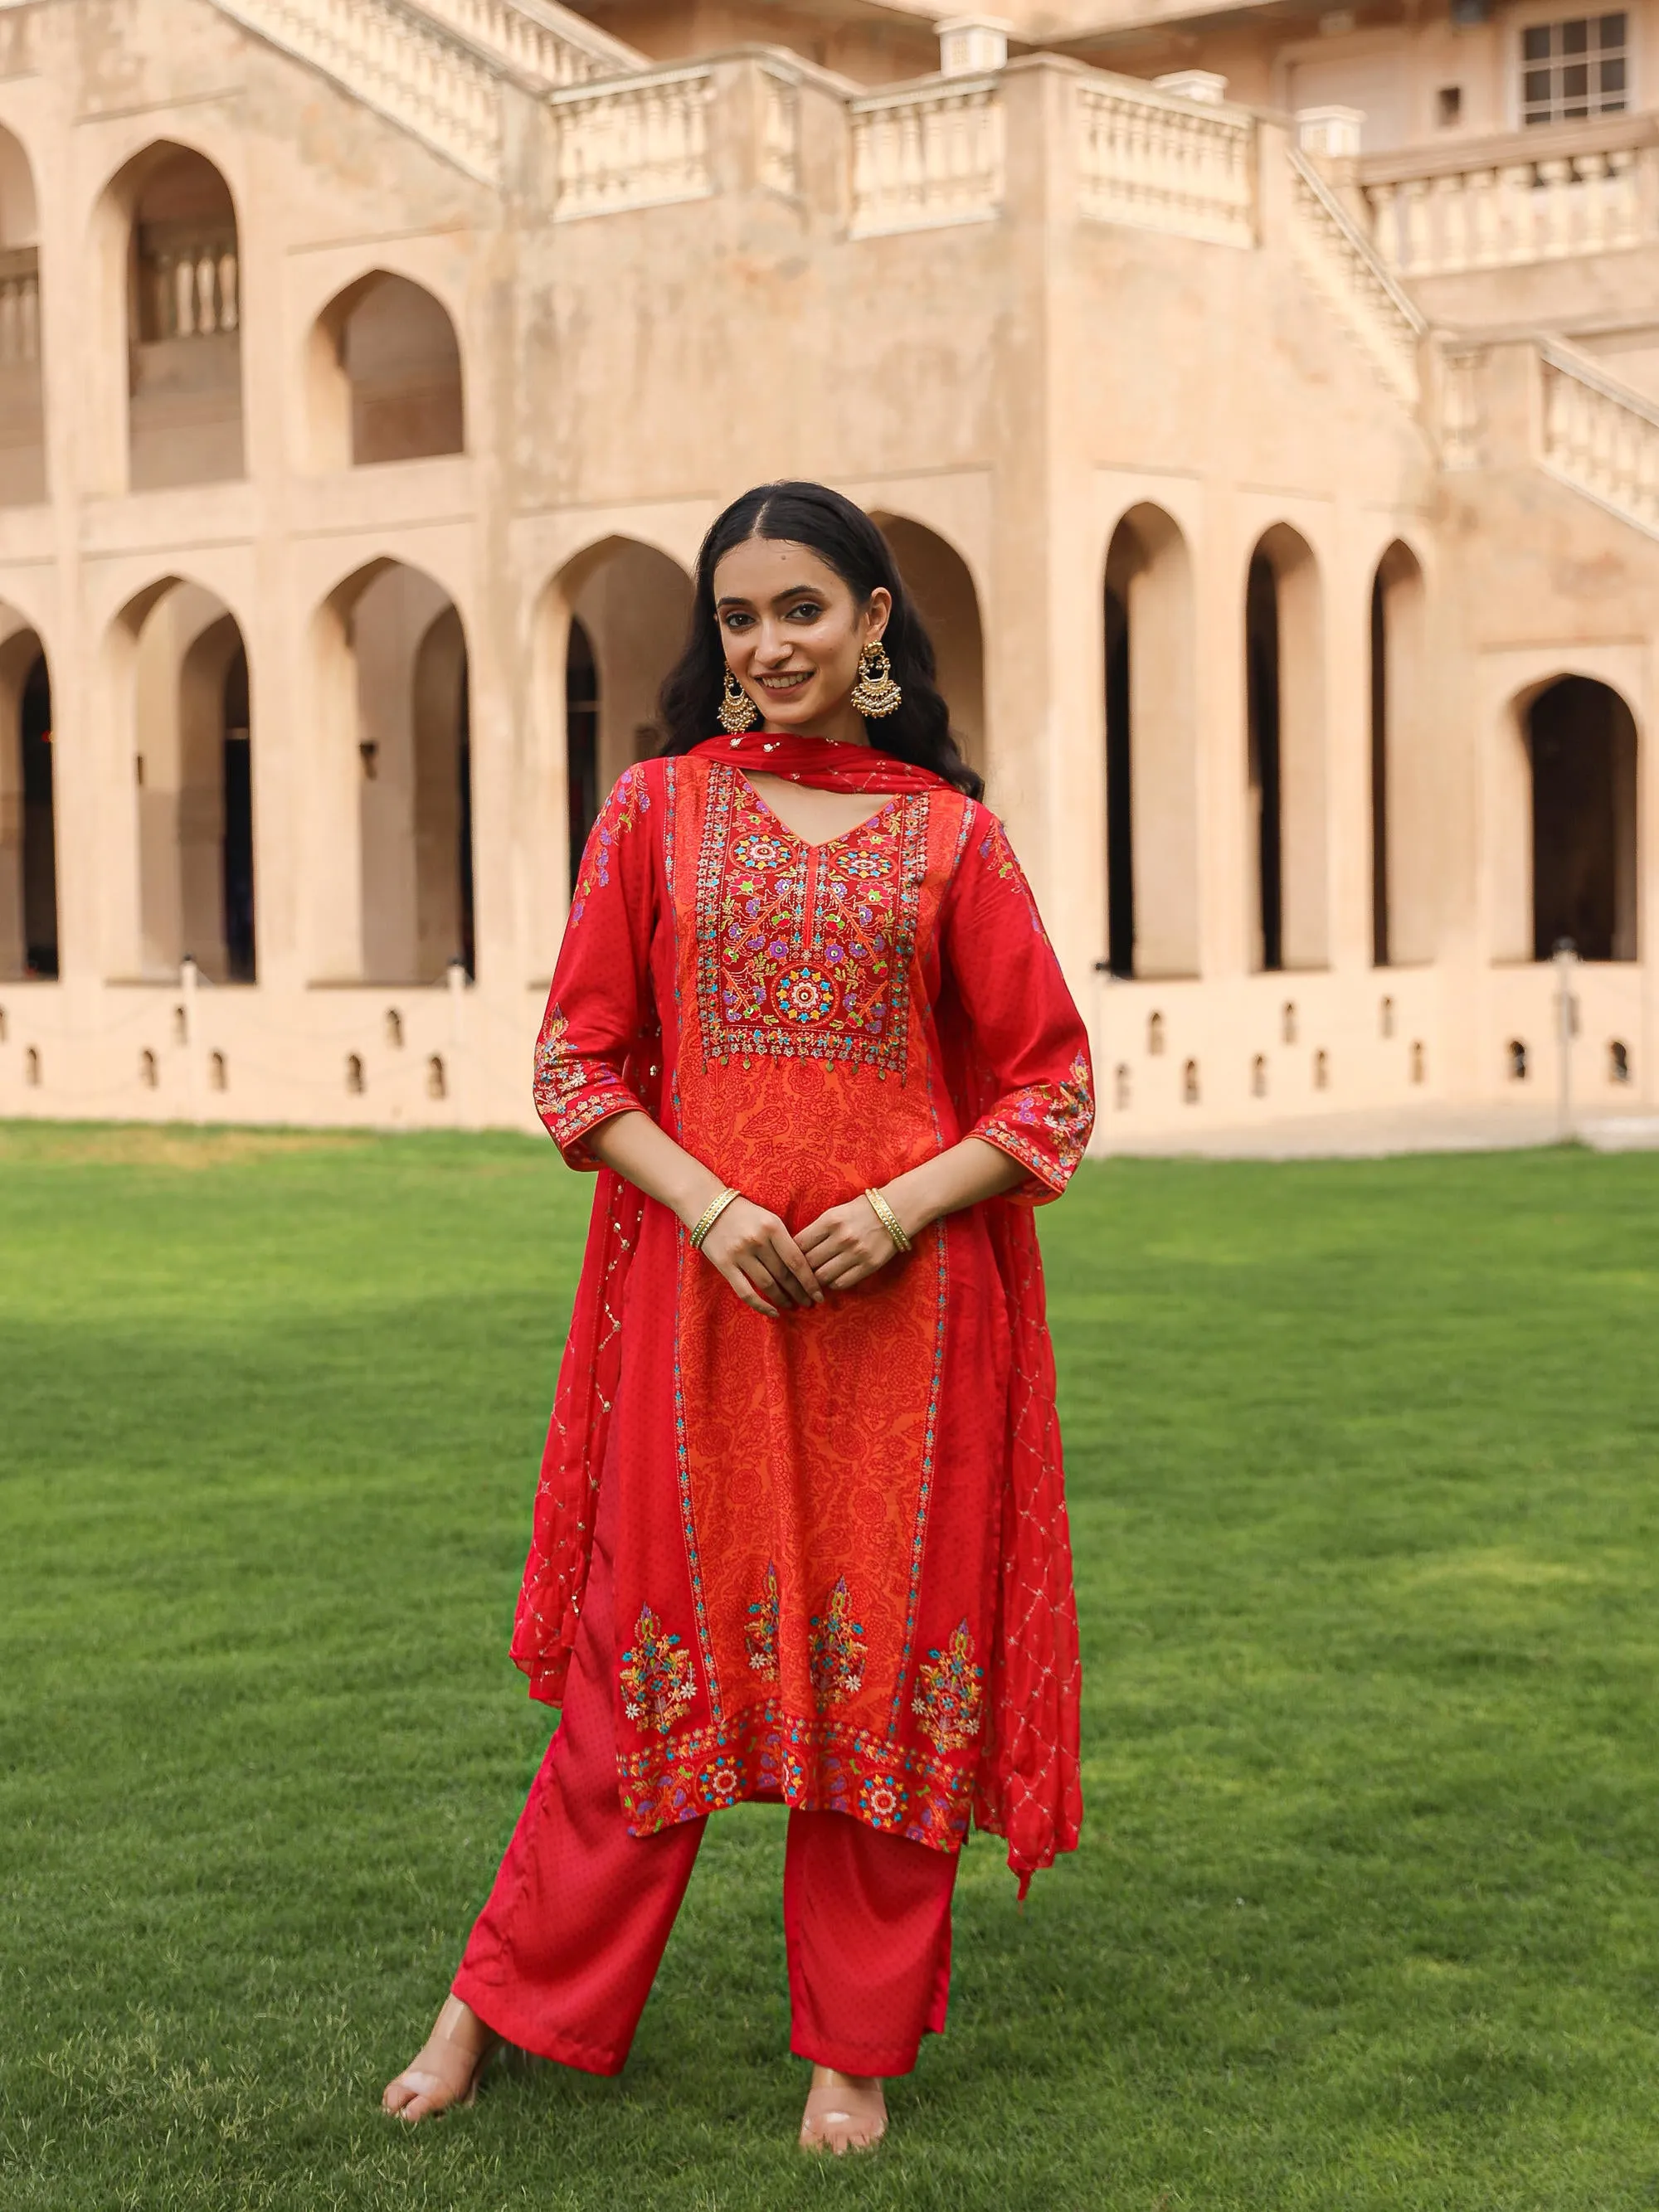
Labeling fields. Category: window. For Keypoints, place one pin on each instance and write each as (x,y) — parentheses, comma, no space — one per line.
(1449,105)
(1575,68)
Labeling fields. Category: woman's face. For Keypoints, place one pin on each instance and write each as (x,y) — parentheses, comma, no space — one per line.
(793,631)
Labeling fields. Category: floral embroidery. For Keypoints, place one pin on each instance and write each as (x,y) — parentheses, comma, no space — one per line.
(760,1634)
(816,1765)
(836,1650)
(998,853)
(629,798)
(656,1676)
(1046,1126)
(804,951)
(881,1802)
(949,1693)
(572,1094)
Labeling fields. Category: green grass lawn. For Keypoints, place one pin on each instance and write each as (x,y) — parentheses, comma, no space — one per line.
(1363,1464)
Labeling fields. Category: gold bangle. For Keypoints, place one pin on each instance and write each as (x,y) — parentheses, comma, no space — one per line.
(711,1213)
(889,1220)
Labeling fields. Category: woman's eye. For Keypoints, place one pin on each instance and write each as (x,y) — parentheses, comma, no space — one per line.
(807,611)
(736,620)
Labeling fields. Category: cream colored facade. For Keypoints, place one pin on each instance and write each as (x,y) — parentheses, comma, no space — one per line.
(1275,449)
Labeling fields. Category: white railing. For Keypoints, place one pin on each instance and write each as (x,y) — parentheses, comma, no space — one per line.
(1340,260)
(190,286)
(546,45)
(20,308)
(396,60)
(1600,438)
(1157,162)
(780,141)
(643,143)
(1493,215)
(927,157)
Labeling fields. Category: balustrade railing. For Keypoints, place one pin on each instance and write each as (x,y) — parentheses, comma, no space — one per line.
(1339,259)
(1600,438)
(548,47)
(398,60)
(1513,202)
(927,157)
(780,143)
(188,283)
(1157,162)
(640,142)
(20,308)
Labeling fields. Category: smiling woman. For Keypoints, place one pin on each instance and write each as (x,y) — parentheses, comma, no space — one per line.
(801,1534)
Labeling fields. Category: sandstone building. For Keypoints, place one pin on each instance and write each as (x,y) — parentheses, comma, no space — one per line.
(1263,402)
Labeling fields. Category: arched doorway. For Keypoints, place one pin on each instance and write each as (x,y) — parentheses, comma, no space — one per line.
(1152,761)
(1581,751)
(1285,693)
(581,740)
(385,375)
(192,774)
(183,321)
(940,582)
(22,412)
(1402,829)
(627,606)
(28,843)
(395,734)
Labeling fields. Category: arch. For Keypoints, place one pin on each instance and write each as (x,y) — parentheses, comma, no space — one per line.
(392,772)
(28,836)
(1285,685)
(1580,755)
(22,405)
(940,582)
(167,252)
(1403,847)
(183,698)
(384,375)
(1151,752)
(608,627)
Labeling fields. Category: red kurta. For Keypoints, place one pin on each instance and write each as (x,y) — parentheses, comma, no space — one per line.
(843,1578)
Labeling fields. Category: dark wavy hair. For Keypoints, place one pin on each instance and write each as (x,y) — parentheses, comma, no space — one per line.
(845,539)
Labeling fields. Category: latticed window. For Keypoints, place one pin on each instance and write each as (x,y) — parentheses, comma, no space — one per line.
(1575,68)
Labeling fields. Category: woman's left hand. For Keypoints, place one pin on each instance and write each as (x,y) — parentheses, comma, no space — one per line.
(847,1244)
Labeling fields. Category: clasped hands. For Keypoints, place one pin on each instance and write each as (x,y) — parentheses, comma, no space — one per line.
(770,1270)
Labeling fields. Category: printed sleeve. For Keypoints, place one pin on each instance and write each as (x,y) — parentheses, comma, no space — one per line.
(600,1009)
(1023,1023)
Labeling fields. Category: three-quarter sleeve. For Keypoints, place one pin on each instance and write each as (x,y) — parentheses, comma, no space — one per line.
(1024,1024)
(600,1006)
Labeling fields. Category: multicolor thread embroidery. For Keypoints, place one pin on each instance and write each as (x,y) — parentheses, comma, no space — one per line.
(804,951)
(760,1633)
(949,1693)
(1058,1117)
(572,1093)
(835,1650)
(656,1676)
(629,798)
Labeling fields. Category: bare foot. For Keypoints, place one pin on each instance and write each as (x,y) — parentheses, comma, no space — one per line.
(447,2070)
(844,2111)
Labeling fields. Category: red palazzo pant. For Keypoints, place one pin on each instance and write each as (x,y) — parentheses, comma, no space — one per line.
(563,1957)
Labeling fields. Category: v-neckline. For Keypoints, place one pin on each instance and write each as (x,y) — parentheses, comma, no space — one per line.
(807,844)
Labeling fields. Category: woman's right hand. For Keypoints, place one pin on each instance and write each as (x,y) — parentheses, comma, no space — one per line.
(758,1257)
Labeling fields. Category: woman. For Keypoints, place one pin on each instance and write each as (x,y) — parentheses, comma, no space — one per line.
(800,1533)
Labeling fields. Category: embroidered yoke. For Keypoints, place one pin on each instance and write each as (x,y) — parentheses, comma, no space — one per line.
(842,1577)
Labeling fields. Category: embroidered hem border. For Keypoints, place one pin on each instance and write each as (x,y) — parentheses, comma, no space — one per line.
(813,1766)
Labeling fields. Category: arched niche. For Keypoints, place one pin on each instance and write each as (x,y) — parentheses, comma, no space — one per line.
(390,772)
(22,407)
(182,692)
(1283,645)
(166,233)
(1151,752)
(1567,841)
(28,839)
(385,378)
(939,581)
(1404,872)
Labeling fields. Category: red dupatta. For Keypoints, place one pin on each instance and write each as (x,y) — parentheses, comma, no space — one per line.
(1027,1785)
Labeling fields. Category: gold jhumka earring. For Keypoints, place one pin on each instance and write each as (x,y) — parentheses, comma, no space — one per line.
(875,694)
(737,710)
